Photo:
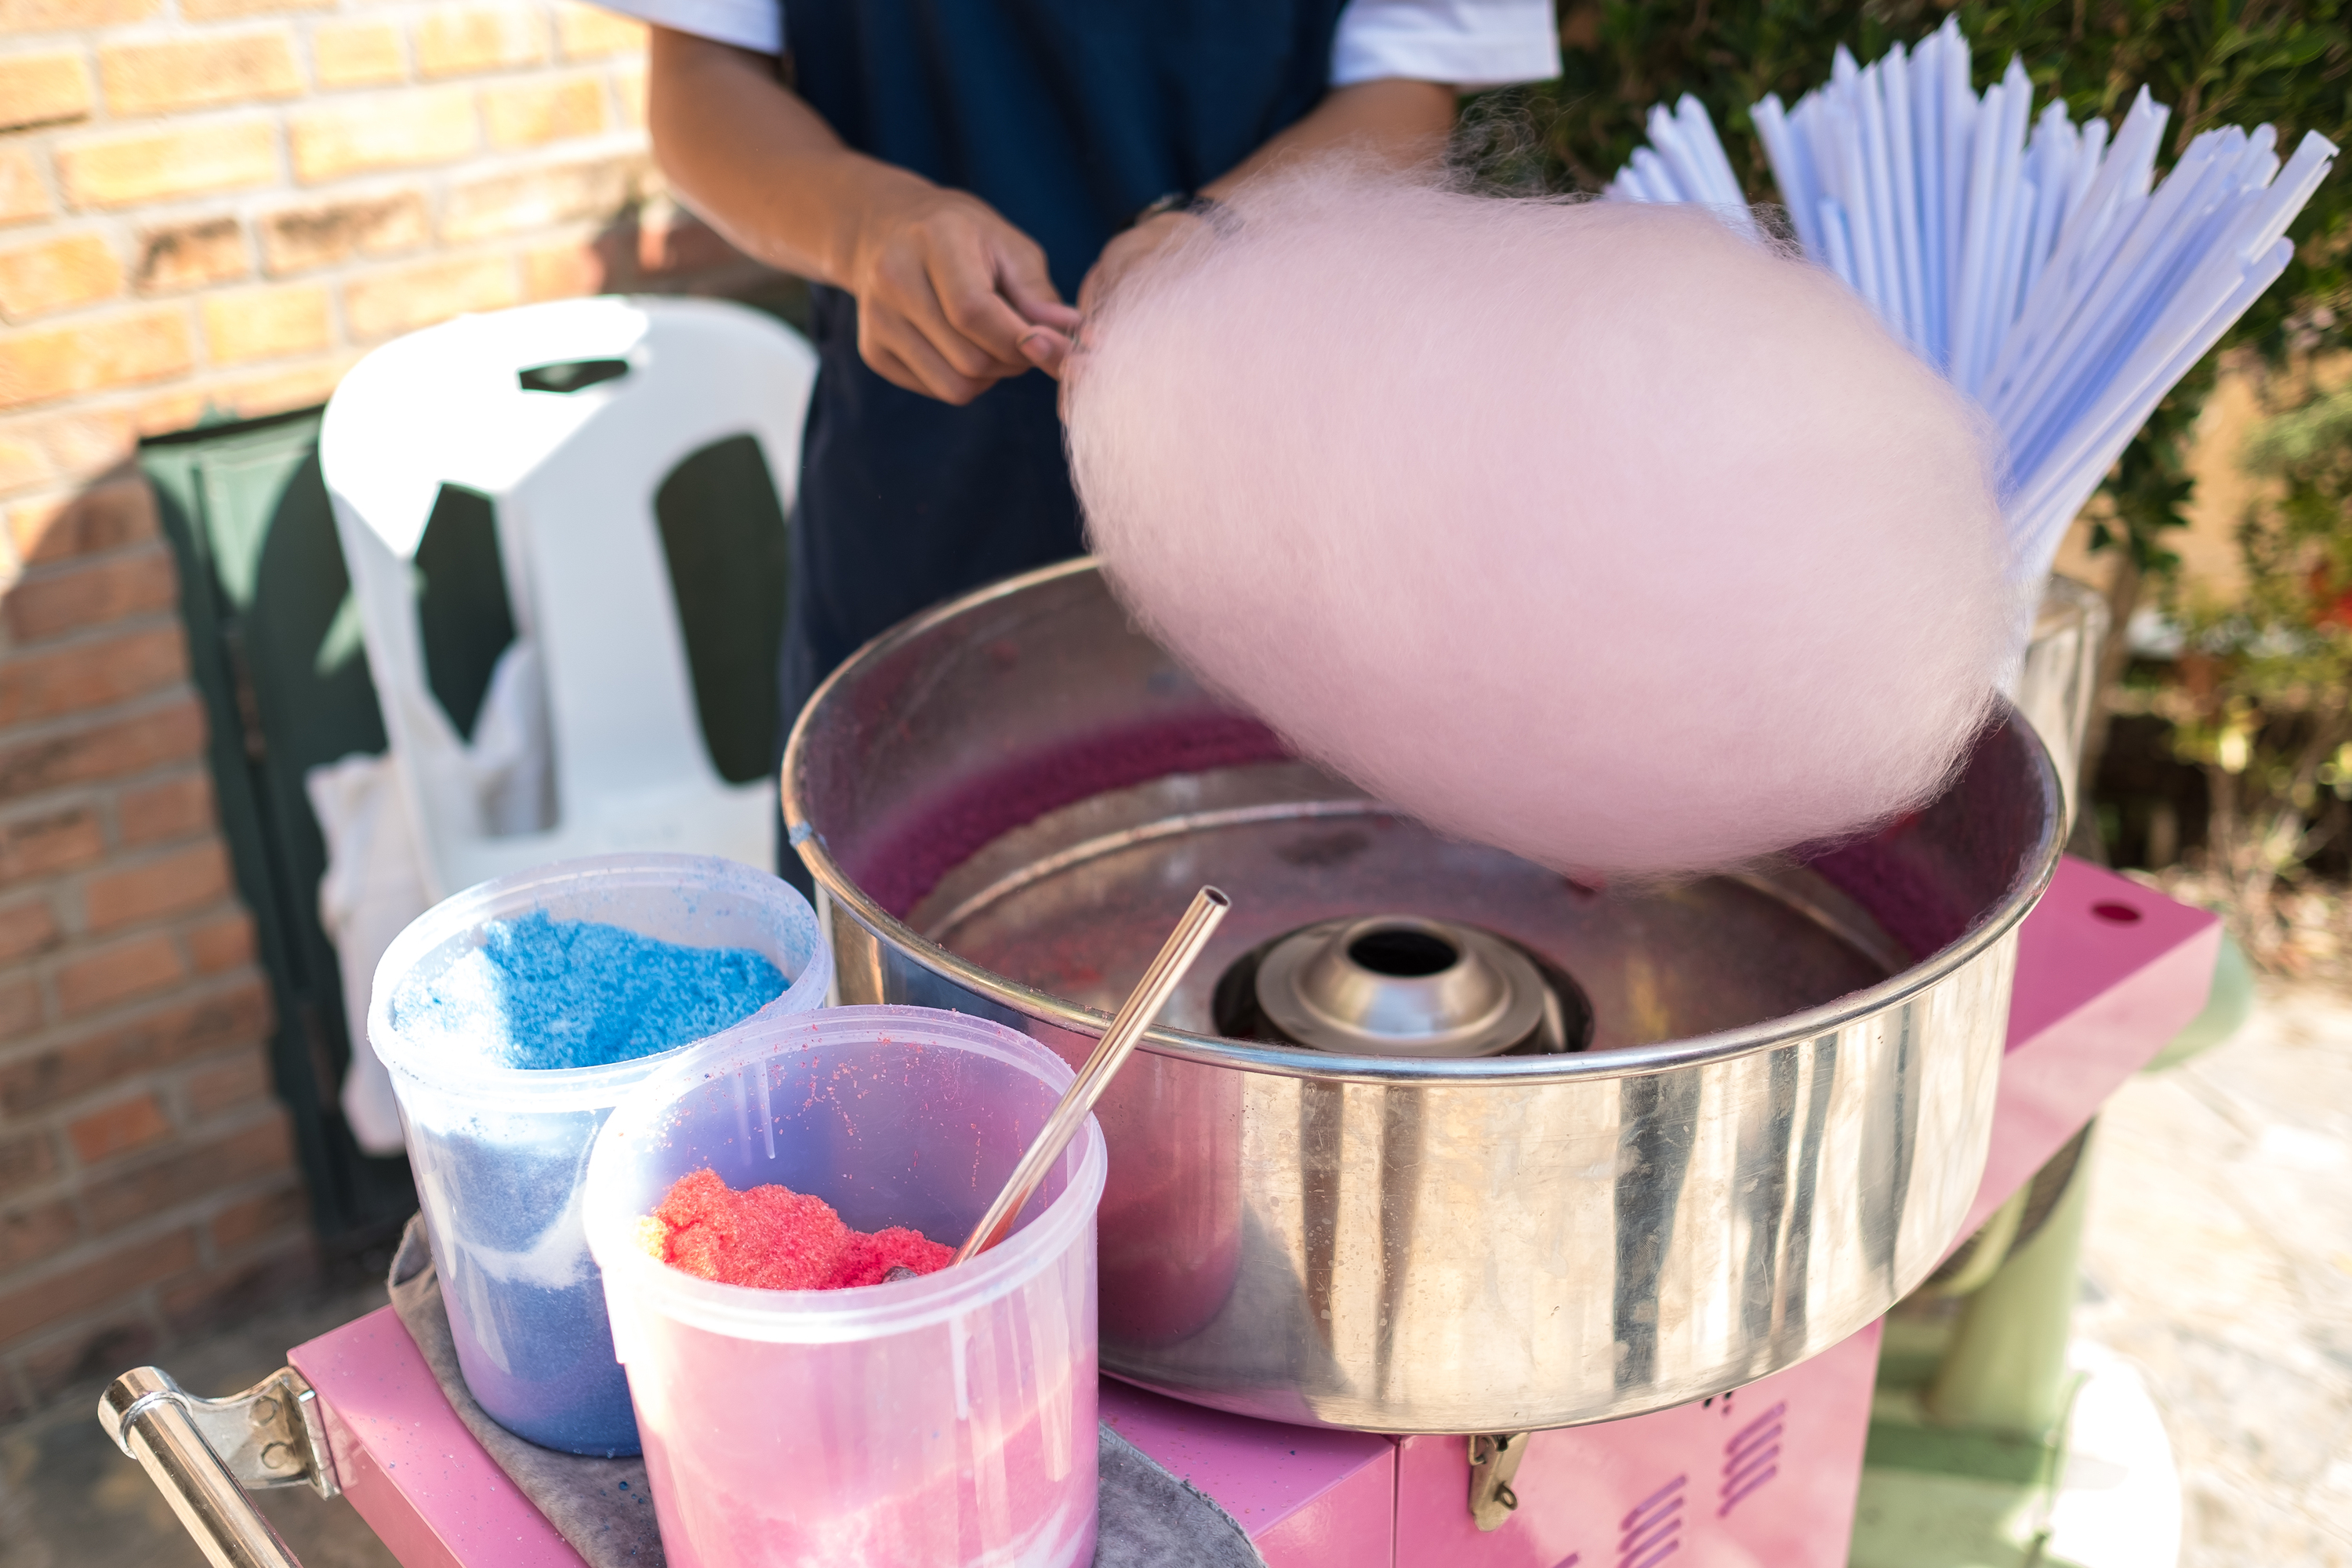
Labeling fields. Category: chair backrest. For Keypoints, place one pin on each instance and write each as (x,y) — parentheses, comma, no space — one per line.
(569,417)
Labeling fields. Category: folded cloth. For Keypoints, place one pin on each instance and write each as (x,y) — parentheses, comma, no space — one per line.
(1150,1518)
(602,1506)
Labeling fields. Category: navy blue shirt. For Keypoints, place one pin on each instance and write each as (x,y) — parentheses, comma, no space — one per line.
(1067,117)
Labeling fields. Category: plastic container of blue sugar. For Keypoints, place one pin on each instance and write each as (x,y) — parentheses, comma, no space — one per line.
(513,1017)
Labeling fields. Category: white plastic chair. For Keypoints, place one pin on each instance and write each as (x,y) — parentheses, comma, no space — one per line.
(572,477)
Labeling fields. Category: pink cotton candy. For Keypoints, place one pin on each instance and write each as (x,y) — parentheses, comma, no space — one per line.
(1594,532)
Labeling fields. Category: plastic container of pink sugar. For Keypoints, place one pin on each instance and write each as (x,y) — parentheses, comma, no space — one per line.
(947,1419)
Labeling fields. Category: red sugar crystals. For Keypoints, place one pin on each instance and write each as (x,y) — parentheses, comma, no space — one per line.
(774,1238)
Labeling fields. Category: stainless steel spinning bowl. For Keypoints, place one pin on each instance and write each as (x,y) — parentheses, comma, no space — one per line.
(1775,1132)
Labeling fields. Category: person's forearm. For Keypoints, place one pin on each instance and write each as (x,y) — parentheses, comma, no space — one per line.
(754,161)
(1396,121)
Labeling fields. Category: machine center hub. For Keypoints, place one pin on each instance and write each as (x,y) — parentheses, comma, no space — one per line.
(1401,986)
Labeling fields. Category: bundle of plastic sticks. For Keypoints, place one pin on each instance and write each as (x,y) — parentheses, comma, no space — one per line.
(2047,274)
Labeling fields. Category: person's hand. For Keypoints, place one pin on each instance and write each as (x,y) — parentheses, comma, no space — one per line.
(952,299)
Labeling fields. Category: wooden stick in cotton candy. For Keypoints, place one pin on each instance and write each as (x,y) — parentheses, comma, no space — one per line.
(1596,531)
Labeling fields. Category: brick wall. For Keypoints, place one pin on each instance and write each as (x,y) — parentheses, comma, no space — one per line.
(146,1175)
(215,207)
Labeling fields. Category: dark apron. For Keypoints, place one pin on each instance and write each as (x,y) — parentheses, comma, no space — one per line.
(1067,116)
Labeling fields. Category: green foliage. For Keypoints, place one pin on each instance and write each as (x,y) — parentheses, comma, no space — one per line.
(2223,62)
(2149,490)
(2264,698)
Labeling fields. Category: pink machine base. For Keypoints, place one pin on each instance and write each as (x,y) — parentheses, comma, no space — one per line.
(1765,1476)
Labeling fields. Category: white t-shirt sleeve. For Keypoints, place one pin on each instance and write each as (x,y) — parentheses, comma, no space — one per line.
(1470,44)
(755,25)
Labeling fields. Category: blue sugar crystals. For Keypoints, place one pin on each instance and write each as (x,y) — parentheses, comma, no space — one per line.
(501,1170)
(542,992)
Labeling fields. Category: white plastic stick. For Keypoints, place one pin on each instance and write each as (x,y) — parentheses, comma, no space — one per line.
(1925,89)
(2054,277)
(1969,287)
(1903,163)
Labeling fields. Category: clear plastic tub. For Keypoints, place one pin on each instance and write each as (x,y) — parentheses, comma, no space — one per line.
(500,1153)
(943,1420)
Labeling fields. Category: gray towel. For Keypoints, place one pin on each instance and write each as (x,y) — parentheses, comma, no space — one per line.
(1150,1519)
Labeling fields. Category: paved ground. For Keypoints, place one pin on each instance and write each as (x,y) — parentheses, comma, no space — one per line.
(2218,1262)
(68,1498)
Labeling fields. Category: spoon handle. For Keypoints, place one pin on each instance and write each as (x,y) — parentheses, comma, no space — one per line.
(1134,1016)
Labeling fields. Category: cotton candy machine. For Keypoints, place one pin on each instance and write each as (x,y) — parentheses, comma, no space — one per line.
(1433,1139)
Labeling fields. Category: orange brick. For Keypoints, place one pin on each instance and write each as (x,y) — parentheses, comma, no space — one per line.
(191,255)
(122,973)
(300,238)
(164,165)
(20,1007)
(220,10)
(562,271)
(182,408)
(171,808)
(23,197)
(464,39)
(31,1235)
(27,1162)
(75,1291)
(530,114)
(427,125)
(171,732)
(394,303)
(29,926)
(236,1016)
(170,884)
(357,54)
(50,841)
(122,351)
(116,1128)
(266,323)
(42,90)
(255,1219)
(23,460)
(224,943)
(304,385)
(214,1089)
(629,87)
(81,676)
(185,407)
(109,514)
(587,32)
(542,198)
(57,274)
(58,15)
(87,441)
(198,72)
(107,590)
(189,1171)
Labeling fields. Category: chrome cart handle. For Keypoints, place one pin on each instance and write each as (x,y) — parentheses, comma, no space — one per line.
(202,1454)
